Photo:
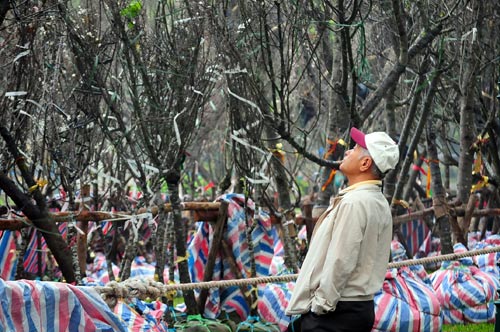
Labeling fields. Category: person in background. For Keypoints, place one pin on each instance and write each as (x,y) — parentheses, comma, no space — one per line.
(350,246)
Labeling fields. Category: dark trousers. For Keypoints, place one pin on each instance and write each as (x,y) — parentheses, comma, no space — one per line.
(355,316)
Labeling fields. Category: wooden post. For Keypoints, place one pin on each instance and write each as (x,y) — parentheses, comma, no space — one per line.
(229,256)
(81,238)
(215,247)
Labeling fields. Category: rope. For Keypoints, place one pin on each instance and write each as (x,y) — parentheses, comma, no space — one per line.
(149,289)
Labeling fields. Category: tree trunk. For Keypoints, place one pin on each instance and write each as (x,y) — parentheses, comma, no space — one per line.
(339,119)
(160,247)
(468,81)
(439,201)
(406,153)
(285,207)
(172,178)
(426,110)
(37,213)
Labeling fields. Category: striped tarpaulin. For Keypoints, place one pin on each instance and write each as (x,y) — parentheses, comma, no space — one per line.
(8,259)
(148,321)
(431,247)
(415,232)
(97,271)
(277,265)
(473,238)
(466,293)
(406,303)
(140,268)
(488,262)
(27,306)
(154,310)
(273,302)
(231,299)
(493,239)
(31,255)
(263,242)
(398,253)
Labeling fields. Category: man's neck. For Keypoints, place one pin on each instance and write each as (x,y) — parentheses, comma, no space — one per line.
(352,180)
(359,184)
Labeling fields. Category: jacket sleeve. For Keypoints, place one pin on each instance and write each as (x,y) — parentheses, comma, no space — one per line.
(341,258)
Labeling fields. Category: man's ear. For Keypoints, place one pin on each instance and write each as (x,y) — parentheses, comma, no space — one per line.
(366,164)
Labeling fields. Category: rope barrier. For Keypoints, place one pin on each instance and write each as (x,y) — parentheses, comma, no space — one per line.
(145,289)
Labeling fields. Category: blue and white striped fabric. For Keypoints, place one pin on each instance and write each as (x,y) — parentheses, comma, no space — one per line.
(31,255)
(135,322)
(466,293)
(273,302)
(263,242)
(488,262)
(415,232)
(277,265)
(407,302)
(27,306)
(240,216)
(140,268)
(97,272)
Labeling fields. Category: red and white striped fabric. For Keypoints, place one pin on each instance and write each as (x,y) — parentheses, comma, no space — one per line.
(8,259)
(140,268)
(430,248)
(28,306)
(240,216)
(466,293)
(406,304)
(473,238)
(277,265)
(136,322)
(273,302)
(97,271)
(488,262)
(492,239)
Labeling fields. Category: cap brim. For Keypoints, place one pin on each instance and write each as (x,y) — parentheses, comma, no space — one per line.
(358,136)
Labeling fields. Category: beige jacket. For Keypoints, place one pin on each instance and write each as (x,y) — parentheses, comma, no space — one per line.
(349,251)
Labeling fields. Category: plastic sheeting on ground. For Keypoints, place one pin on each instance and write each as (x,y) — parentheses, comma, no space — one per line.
(27,306)
(407,301)
(488,262)
(97,271)
(140,268)
(466,293)
(275,297)
(140,316)
(273,302)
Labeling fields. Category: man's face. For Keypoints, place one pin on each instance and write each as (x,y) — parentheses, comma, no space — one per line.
(353,162)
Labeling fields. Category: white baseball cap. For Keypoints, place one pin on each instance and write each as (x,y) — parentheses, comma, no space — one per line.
(383,150)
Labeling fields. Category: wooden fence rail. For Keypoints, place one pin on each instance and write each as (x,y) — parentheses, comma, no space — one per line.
(204,211)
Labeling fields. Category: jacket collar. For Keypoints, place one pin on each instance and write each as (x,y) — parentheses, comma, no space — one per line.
(360,184)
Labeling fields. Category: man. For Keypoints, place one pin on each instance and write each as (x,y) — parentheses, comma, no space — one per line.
(350,247)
